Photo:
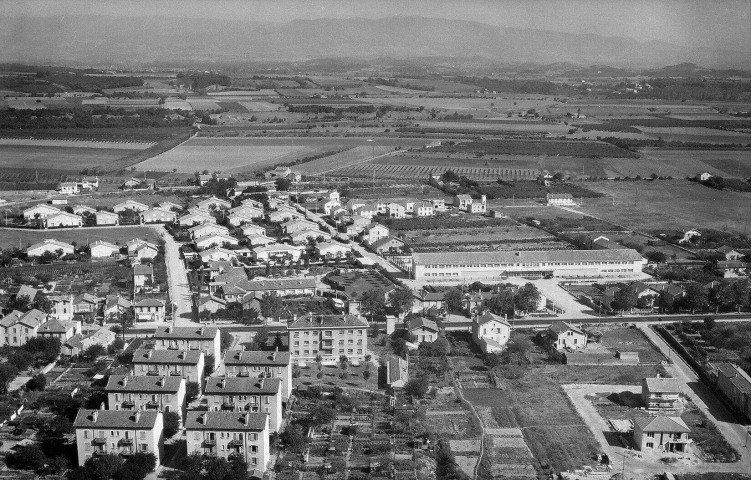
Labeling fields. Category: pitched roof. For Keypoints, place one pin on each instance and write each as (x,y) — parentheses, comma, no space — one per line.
(278,284)
(488,317)
(328,321)
(74,341)
(516,257)
(143,383)
(559,327)
(189,357)
(143,270)
(242,385)
(53,242)
(662,385)
(54,325)
(422,322)
(186,333)
(197,420)
(662,423)
(33,318)
(27,291)
(736,376)
(386,241)
(11,319)
(149,302)
(141,419)
(102,243)
(256,357)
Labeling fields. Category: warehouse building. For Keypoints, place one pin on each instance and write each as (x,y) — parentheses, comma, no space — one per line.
(462,266)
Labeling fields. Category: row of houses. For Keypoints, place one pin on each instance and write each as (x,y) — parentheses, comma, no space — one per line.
(52,217)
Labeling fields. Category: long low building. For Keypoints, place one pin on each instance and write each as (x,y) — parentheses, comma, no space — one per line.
(498,264)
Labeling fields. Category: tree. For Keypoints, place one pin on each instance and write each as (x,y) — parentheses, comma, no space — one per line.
(696,298)
(191,391)
(527,298)
(251,316)
(417,387)
(282,184)
(400,300)
(454,300)
(502,304)
(519,344)
(449,176)
(278,342)
(226,340)
(655,257)
(37,383)
(103,467)
(322,416)
(293,438)
(372,302)
(93,352)
(57,464)
(624,299)
(734,295)
(171,424)
(7,373)
(29,457)
(271,306)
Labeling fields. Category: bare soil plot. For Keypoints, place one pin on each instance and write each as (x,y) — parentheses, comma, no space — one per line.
(726,163)
(661,205)
(56,157)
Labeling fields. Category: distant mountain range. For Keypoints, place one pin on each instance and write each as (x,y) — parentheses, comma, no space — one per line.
(102,40)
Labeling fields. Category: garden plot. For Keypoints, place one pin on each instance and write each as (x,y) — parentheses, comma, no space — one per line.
(509,456)
(475,380)
(630,340)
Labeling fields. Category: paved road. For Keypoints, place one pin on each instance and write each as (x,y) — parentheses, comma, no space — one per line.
(177,278)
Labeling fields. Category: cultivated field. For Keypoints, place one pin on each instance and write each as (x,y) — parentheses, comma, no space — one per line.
(669,204)
(344,159)
(70,143)
(725,163)
(119,235)
(56,157)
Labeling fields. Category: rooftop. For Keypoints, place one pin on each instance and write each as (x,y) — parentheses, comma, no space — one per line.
(328,321)
(188,333)
(256,357)
(662,385)
(242,385)
(662,424)
(158,357)
(197,420)
(144,419)
(515,257)
(128,383)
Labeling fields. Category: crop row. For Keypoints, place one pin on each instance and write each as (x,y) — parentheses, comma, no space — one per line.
(411,171)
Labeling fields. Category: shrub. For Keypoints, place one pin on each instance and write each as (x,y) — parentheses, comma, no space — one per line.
(37,383)
(171,424)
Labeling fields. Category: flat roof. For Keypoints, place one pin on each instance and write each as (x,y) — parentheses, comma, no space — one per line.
(513,257)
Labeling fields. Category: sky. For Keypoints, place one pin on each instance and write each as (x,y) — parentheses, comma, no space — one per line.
(693,23)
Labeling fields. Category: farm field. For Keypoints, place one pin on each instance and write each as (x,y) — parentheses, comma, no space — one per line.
(617,338)
(367,170)
(10,238)
(633,238)
(725,163)
(70,143)
(502,126)
(345,159)
(676,204)
(500,104)
(57,158)
(518,232)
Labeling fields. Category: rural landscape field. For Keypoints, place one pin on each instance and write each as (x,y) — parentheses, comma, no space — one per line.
(445,240)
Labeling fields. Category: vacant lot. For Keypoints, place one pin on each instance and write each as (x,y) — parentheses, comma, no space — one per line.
(56,157)
(676,204)
(629,340)
(119,235)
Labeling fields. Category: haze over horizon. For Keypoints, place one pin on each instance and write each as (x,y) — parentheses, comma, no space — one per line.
(704,28)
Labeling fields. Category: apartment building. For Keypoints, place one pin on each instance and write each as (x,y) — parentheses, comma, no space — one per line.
(246,394)
(177,363)
(121,432)
(329,336)
(205,339)
(17,328)
(258,364)
(163,394)
(229,434)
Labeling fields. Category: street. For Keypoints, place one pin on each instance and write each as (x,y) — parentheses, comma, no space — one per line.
(177,278)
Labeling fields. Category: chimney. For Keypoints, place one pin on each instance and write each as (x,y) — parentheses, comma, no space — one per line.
(125,381)
(167,329)
(94,415)
(137,416)
(247,419)
(148,353)
(224,383)
(204,418)
(162,381)
(201,332)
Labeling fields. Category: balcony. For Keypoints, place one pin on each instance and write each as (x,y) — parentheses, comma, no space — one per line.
(129,404)
(243,374)
(175,374)
(153,405)
(208,443)
(153,373)
(99,441)
(235,443)
(125,441)
(126,452)
(228,406)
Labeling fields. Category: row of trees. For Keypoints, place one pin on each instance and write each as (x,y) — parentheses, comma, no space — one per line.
(504,302)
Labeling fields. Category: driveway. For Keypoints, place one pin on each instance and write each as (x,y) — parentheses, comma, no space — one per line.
(177,278)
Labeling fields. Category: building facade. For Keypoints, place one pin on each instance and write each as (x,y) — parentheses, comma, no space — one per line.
(226,434)
(246,394)
(329,336)
(119,432)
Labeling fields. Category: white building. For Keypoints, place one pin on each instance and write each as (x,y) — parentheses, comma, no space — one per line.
(207,229)
(49,245)
(258,364)
(119,432)
(104,217)
(39,211)
(560,199)
(491,332)
(150,310)
(162,394)
(246,394)
(178,363)
(158,215)
(196,217)
(214,239)
(102,249)
(62,219)
(130,205)
(224,434)
(205,339)
(214,203)
(277,252)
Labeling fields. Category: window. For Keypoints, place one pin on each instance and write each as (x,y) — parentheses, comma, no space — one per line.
(650,434)
(144,447)
(650,445)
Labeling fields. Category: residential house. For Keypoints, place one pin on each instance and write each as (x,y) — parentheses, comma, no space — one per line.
(424,209)
(670,294)
(102,249)
(61,306)
(385,245)
(170,206)
(375,232)
(246,394)
(130,205)
(207,229)
(439,204)
(284,215)
(491,332)
(425,300)
(703,176)
(659,393)
(142,274)
(252,230)
(732,268)
(49,245)
(298,225)
(81,209)
(237,220)
(329,336)
(735,383)
(39,211)
(102,336)
(158,215)
(72,346)
(275,252)
(560,199)
(396,210)
(115,305)
(397,372)
(160,393)
(123,432)
(205,339)
(229,434)
(258,364)
(662,433)
(17,328)
(103,217)
(177,363)
(210,303)
(462,201)
(247,211)
(139,184)
(333,249)
(730,253)
(217,254)
(565,336)
(214,239)
(354,203)
(60,329)
(29,292)
(423,330)
(85,304)
(214,203)
(304,236)
(260,240)
(368,210)
(143,251)
(479,207)
(203,179)
(68,188)
(196,217)
(89,183)
(62,220)
(150,310)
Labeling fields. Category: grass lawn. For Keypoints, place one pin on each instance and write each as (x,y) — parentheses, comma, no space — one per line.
(630,340)
(332,376)
(10,238)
